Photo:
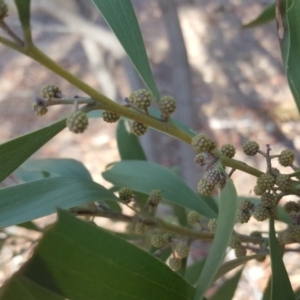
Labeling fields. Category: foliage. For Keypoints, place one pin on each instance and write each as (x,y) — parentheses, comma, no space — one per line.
(76,259)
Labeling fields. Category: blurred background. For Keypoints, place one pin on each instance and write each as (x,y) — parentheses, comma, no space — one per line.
(229,83)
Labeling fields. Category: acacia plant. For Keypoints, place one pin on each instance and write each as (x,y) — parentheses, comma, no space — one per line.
(75,259)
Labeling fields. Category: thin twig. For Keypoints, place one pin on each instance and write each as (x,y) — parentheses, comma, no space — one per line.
(151,222)
(10,32)
(268,159)
(231,172)
(66,101)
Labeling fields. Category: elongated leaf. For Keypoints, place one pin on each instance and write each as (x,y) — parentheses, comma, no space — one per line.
(21,288)
(226,220)
(288,30)
(232,264)
(181,214)
(267,15)
(281,286)
(57,166)
(53,167)
(79,261)
(193,272)
(120,16)
(39,198)
(227,289)
(268,290)
(23,7)
(297,294)
(295,174)
(128,143)
(15,152)
(29,225)
(31,175)
(144,177)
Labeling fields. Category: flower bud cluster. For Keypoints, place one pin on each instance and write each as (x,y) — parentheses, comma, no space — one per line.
(3,10)
(290,235)
(244,211)
(180,251)
(167,106)
(214,173)
(77,122)
(125,195)
(153,200)
(267,207)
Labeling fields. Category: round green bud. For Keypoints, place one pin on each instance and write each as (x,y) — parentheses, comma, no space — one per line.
(261,213)
(167,106)
(202,143)
(246,205)
(157,240)
(193,217)
(258,191)
(240,251)
(140,228)
(244,211)
(199,159)
(268,199)
(265,182)
(294,232)
(256,233)
(274,171)
(212,225)
(286,157)
(175,263)
(155,197)
(291,206)
(261,259)
(272,211)
(125,195)
(212,177)
(290,235)
(39,109)
(141,98)
(138,128)
(234,242)
(168,237)
(295,217)
(243,216)
(284,237)
(221,183)
(181,250)
(250,148)
(204,188)
(77,122)
(3,10)
(50,91)
(228,150)
(284,182)
(110,117)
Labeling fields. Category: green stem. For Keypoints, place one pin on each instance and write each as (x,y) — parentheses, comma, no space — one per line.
(150,222)
(108,104)
(68,101)
(12,45)
(7,29)
(235,164)
(157,223)
(204,236)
